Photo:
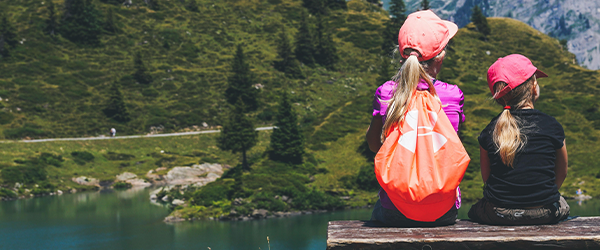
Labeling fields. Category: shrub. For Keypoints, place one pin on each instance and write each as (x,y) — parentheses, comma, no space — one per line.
(112,156)
(24,174)
(212,192)
(122,185)
(28,130)
(82,157)
(51,159)
(7,193)
(366,179)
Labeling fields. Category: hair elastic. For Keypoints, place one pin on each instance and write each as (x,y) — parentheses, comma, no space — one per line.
(506,107)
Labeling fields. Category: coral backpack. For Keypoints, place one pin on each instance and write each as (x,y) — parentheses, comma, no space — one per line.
(422,161)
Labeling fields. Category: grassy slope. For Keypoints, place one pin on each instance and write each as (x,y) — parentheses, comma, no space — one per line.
(146,152)
(335,105)
(61,88)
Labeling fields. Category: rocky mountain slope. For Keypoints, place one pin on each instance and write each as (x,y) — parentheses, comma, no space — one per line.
(577,21)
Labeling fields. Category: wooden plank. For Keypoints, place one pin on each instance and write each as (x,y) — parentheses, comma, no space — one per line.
(578,233)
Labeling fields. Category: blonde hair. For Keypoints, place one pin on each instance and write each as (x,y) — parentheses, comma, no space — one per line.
(406,80)
(508,135)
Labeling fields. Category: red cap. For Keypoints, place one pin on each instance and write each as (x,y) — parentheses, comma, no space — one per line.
(425,32)
(513,70)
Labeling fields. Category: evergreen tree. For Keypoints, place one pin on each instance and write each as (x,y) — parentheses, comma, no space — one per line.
(326,52)
(4,48)
(8,37)
(287,141)
(240,83)
(238,134)
(287,62)
(424,5)
(141,73)
(115,2)
(81,22)
(8,32)
(110,24)
(338,4)
(390,32)
(397,11)
(153,4)
(305,46)
(316,7)
(384,73)
(51,22)
(192,5)
(480,21)
(116,108)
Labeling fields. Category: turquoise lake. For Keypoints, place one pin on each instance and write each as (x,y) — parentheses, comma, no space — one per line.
(128,220)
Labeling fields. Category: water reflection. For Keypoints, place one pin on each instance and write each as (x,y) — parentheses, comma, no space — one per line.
(127,220)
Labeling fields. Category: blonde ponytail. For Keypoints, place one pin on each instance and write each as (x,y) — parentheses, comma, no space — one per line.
(407,79)
(508,137)
(508,133)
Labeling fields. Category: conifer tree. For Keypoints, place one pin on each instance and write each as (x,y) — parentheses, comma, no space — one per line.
(287,141)
(8,37)
(192,5)
(238,134)
(116,109)
(115,2)
(384,73)
(81,22)
(110,24)
(153,4)
(424,5)
(390,33)
(51,22)
(337,4)
(8,32)
(480,21)
(397,11)
(305,46)
(287,62)
(326,52)
(240,83)
(141,73)
(316,7)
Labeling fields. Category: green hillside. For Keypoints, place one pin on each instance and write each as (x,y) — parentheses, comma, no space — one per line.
(52,87)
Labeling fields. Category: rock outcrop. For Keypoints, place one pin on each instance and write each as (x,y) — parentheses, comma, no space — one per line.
(86,181)
(132,179)
(578,21)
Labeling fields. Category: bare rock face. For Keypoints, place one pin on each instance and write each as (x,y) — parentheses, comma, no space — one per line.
(132,179)
(126,176)
(86,181)
(196,175)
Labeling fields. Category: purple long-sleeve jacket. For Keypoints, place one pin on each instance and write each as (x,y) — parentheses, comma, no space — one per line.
(452,100)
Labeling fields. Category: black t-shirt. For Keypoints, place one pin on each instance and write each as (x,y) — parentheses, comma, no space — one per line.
(531,181)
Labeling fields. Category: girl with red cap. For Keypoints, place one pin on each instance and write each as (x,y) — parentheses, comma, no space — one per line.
(422,41)
(523,152)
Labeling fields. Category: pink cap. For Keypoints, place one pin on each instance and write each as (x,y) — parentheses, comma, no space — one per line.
(513,70)
(425,32)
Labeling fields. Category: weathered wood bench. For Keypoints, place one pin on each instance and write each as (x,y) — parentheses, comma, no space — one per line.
(578,233)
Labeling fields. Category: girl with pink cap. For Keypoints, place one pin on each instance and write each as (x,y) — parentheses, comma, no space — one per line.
(422,42)
(523,152)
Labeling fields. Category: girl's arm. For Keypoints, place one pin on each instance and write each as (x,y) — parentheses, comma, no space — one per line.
(561,164)
(484,161)
(374,133)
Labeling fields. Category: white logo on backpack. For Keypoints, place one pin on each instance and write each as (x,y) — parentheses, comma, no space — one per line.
(409,139)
